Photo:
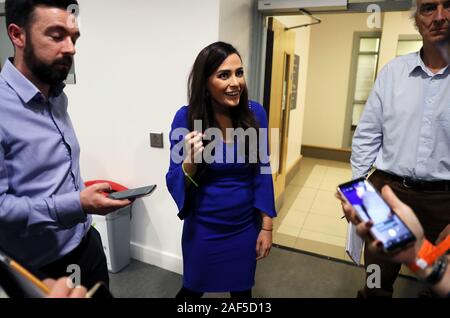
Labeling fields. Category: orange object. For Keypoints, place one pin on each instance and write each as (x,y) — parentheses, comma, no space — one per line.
(428,254)
(30,277)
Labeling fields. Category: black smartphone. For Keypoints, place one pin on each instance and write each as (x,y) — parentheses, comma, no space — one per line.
(132,193)
(369,205)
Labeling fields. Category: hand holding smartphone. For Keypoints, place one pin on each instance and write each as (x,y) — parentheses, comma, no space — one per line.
(132,194)
(387,227)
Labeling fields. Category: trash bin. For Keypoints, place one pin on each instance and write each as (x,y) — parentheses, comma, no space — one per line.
(114,230)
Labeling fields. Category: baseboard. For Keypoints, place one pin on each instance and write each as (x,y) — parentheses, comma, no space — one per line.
(167,261)
(336,154)
(293,170)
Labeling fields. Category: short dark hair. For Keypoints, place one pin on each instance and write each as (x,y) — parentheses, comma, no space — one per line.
(20,12)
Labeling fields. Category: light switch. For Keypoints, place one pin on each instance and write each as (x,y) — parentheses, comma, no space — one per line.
(156,140)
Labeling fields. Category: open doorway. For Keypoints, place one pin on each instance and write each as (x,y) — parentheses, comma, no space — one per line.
(332,69)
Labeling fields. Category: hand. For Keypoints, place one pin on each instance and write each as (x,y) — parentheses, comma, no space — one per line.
(349,211)
(63,288)
(94,202)
(194,146)
(263,244)
(405,213)
(443,235)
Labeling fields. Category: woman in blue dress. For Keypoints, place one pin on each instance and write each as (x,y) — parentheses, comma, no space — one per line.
(221,183)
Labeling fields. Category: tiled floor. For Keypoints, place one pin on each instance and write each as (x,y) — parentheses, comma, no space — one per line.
(310,219)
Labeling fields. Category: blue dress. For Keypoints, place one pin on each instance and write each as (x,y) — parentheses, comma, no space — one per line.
(222,217)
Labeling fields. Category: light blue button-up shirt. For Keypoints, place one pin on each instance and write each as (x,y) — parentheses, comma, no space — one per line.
(405,126)
(41,218)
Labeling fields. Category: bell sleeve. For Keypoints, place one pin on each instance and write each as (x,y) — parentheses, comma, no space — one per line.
(175,179)
(263,185)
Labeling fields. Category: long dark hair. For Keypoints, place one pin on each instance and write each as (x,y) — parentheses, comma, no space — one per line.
(200,104)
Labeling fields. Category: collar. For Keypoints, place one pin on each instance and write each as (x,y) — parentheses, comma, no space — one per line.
(417,63)
(24,88)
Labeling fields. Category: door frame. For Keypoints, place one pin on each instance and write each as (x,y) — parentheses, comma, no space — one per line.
(258,49)
(347,136)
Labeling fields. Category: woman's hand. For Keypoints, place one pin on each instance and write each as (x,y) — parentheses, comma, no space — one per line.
(263,244)
(194,146)
(264,241)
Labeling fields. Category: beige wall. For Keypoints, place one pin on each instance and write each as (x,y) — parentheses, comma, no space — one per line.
(302,41)
(329,70)
(328,77)
(395,24)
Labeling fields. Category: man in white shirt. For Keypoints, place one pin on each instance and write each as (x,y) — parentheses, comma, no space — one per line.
(404,132)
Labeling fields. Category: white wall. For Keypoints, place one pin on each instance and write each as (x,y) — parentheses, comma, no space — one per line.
(6,48)
(235,27)
(296,118)
(132,63)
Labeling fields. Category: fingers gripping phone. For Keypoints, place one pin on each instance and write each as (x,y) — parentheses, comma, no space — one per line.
(132,193)
(369,205)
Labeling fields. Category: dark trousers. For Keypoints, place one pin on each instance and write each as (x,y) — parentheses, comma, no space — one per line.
(187,294)
(89,256)
(432,208)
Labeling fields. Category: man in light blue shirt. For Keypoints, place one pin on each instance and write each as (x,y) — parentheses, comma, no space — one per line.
(405,132)
(44,206)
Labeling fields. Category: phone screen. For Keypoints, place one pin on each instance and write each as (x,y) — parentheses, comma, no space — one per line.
(387,226)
